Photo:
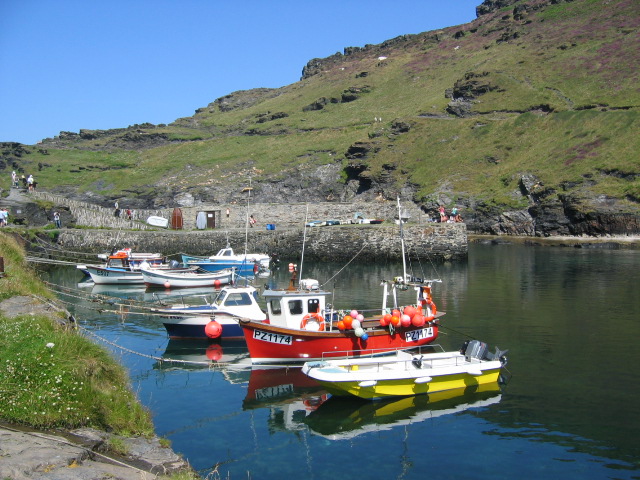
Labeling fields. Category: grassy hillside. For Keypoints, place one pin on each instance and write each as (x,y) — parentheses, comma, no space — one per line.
(534,88)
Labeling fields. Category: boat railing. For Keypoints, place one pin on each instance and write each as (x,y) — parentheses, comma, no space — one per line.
(377,353)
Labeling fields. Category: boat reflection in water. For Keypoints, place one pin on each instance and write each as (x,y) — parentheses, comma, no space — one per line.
(142,293)
(342,418)
(198,354)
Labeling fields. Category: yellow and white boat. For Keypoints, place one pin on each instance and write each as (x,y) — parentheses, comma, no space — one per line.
(403,373)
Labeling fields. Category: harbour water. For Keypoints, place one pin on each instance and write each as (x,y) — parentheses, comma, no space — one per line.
(568,316)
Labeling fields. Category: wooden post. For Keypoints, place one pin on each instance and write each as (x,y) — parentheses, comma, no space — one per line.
(1,266)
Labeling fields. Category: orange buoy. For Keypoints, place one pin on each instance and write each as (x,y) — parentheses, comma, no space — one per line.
(347,320)
(213,329)
(418,320)
(410,310)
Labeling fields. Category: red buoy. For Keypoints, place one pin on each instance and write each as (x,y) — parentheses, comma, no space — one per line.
(213,329)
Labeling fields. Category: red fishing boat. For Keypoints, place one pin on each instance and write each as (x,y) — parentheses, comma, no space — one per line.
(300,326)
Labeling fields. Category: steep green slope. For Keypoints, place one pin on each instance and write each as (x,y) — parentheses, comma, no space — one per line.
(531,104)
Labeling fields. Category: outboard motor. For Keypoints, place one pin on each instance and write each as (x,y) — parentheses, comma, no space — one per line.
(476,349)
(174,264)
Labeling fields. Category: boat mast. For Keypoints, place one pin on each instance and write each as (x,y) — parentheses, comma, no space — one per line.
(246,224)
(304,239)
(404,261)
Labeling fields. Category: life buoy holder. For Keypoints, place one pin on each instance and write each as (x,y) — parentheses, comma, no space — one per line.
(313,317)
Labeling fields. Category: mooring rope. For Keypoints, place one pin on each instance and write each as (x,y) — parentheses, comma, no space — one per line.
(346,265)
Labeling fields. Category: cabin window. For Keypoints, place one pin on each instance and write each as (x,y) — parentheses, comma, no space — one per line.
(275,307)
(219,300)
(313,306)
(295,307)
(226,253)
(235,299)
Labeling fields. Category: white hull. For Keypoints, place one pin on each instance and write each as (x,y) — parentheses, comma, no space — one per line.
(187,279)
(104,276)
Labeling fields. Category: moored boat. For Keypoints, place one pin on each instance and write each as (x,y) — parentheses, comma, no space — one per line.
(186,278)
(301,325)
(403,373)
(124,267)
(125,258)
(212,318)
(245,264)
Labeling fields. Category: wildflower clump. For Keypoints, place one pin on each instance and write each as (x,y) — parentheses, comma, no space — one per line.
(53,377)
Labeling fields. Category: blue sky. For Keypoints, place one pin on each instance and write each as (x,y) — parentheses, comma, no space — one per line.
(98,64)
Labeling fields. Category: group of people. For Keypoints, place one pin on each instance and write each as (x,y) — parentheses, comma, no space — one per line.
(128,212)
(454,217)
(27,182)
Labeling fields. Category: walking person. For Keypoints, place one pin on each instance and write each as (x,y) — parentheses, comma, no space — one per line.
(56,219)
(4,217)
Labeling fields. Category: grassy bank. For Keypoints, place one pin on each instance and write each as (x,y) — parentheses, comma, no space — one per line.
(51,376)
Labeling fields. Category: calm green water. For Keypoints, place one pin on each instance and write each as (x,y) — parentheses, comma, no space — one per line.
(569,318)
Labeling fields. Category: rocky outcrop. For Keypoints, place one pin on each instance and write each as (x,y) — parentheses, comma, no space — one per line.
(241,99)
(490,6)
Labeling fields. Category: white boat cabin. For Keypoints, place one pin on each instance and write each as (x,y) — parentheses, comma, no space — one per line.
(239,302)
(292,307)
(227,254)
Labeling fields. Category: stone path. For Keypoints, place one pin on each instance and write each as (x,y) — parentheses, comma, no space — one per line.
(32,455)
(16,199)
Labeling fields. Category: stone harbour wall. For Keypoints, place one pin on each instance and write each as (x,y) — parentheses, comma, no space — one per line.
(335,243)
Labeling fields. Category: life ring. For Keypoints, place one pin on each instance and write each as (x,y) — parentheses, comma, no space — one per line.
(434,310)
(313,317)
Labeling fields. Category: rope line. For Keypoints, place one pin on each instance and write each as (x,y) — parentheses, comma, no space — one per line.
(346,265)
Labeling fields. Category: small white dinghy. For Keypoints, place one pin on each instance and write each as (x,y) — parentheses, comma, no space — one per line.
(403,373)
(158,221)
(186,278)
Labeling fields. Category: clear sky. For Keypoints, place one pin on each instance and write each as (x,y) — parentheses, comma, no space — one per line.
(99,64)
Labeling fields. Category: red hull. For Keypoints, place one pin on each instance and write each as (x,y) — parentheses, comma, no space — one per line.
(270,344)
